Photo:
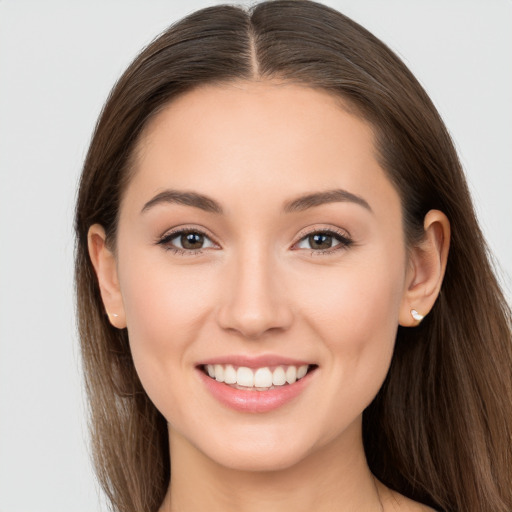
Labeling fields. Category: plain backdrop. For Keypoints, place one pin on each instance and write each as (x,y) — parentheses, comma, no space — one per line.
(58,60)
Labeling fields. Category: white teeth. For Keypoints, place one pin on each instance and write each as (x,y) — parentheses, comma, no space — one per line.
(245,377)
(219,372)
(291,374)
(279,376)
(301,371)
(229,375)
(261,379)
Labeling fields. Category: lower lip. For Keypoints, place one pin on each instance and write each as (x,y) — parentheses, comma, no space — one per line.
(255,401)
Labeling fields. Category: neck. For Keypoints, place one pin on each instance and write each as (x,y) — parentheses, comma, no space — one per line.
(335,477)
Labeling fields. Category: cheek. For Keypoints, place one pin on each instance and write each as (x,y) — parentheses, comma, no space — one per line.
(165,308)
(356,314)
(357,323)
(356,303)
(162,302)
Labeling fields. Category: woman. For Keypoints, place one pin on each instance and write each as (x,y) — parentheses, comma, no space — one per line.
(284,296)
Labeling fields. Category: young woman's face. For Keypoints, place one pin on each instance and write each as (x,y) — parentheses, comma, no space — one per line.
(260,236)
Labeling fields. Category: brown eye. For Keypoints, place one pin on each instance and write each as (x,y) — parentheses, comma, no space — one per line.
(324,241)
(192,240)
(320,241)
(187,241)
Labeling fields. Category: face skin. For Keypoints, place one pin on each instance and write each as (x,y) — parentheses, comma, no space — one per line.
(257,287)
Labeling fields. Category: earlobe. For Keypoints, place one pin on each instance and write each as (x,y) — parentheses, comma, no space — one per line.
(105,266)
(427,265)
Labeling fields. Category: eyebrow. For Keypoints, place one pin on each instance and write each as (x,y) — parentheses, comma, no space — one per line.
(329,196)
(185,198)
(295,205)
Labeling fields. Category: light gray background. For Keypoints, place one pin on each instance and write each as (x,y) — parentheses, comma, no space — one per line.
(58,60)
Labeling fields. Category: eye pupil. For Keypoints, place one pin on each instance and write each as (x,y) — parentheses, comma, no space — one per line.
(320,241)
(192,240)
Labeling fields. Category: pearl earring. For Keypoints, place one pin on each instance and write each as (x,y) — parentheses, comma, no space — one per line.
(112,314)
(417,316)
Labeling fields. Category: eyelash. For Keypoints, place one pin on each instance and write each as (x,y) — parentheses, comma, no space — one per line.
(342,237)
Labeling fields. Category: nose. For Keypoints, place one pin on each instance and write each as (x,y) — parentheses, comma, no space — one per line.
(254,298)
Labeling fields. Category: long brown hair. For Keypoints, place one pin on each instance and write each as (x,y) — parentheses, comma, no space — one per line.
(440,429)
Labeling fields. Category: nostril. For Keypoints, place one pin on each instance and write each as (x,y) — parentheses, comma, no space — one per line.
(253,307)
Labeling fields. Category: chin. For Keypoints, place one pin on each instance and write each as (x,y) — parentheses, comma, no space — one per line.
(270,453)
(259,460)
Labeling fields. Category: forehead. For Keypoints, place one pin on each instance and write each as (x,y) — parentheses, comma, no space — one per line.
(257,137)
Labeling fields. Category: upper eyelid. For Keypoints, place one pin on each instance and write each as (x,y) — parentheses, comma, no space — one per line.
(303,233)
(174,232)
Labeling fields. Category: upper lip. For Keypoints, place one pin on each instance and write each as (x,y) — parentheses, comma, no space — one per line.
(255,361)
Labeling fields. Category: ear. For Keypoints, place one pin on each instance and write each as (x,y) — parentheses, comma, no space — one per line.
(104,264)
(427,264)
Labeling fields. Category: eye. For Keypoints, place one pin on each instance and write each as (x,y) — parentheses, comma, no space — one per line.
(322,241)
(187,240)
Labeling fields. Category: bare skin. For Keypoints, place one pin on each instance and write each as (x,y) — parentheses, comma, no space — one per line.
(325,281)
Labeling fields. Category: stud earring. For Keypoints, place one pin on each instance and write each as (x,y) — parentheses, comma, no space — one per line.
(417,316)
(112,314)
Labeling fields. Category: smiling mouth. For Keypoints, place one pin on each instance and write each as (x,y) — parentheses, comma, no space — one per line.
(257,379)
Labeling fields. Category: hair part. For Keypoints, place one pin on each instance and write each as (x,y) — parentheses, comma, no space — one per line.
(440,429)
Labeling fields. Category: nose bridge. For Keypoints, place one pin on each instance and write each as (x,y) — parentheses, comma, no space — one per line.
(254,302)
